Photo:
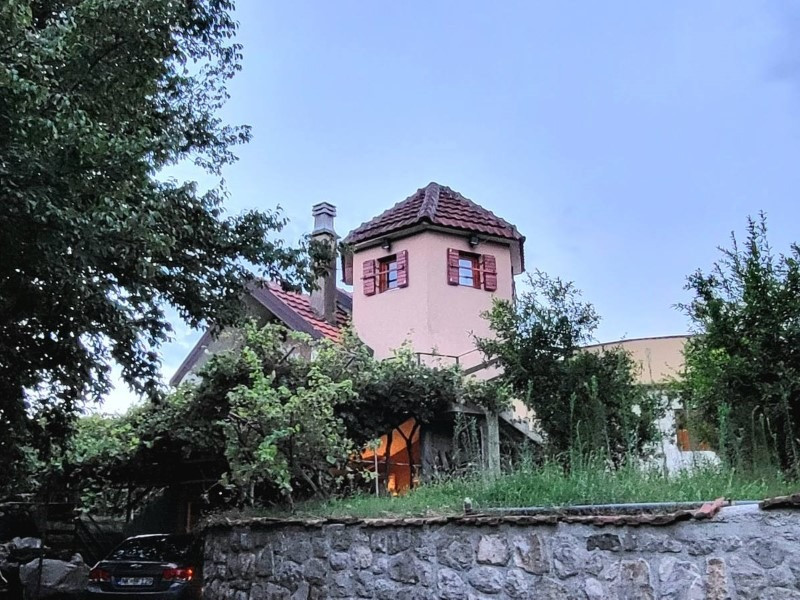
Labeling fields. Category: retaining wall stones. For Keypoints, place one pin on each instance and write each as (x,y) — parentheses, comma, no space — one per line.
(742,553)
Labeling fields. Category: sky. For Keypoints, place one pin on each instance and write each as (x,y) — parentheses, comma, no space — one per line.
(626,140)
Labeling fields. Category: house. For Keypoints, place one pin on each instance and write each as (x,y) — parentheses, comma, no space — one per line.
(321,314)
(422,273)
(433,262)
(659,362)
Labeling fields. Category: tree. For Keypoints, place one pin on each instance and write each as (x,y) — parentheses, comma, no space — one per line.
(742,374)
(585,400)
(98,97)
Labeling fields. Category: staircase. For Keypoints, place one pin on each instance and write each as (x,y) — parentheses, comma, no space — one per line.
(93,541)
(523,425)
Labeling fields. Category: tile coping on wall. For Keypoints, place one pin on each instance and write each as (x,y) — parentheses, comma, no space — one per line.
(790,501)
(707,511)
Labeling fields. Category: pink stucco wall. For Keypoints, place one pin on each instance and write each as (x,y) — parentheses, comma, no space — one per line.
(429,313)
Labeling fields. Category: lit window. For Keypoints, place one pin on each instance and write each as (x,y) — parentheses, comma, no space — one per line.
(387,273)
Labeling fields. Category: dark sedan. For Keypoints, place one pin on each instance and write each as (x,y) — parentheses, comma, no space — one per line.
(152,567)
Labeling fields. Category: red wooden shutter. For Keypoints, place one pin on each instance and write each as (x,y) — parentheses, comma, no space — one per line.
(348,274)
(452,266)
(489,273)
(369,277)
(402,268)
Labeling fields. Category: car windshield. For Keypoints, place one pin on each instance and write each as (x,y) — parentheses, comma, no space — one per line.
(167,548)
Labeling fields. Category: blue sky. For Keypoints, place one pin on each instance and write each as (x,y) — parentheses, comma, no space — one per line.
(626,140)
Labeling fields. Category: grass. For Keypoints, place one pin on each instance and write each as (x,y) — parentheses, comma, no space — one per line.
(550,485)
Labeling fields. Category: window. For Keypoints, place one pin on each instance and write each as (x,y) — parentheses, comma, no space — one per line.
(387,273)
(469,270)
(171,548)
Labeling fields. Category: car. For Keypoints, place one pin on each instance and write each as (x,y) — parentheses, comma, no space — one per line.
(155,567)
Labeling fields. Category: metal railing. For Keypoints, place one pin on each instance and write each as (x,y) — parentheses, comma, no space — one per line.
(456,358)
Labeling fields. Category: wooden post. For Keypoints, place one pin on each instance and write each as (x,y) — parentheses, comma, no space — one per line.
(491,444)
(426,452)
(377,485)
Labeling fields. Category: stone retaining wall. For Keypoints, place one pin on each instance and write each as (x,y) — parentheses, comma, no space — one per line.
(742,553)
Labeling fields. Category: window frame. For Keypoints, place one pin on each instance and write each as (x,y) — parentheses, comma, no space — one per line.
(475,266)
(385,267)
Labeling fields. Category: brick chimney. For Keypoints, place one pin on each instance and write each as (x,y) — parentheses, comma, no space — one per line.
(323,297)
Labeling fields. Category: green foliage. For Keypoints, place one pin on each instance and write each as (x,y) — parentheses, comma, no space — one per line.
(98,97)
(285,437)
(276,419)
(99,447)
(742,379)
(390,392)
(586,401)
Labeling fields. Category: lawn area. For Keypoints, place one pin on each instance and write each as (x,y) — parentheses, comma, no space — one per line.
(549,485)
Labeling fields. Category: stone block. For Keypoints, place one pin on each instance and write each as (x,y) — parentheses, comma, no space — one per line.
(288,574)
(634,582)
(388,590)
(339,561)
(493,550)
(699,547)
(265,562)
(604,541)
(550,589)
(766,553)
(489,580)
(392,541)
(320,547)
(340,536)
(680,580)
(247,565)
(450,585)
(380,565)
(361,556)
(567,557)
(341,585)
(403,568)
(456,553)
(518,584)
(314,571)
(594,589)
(717,580)
(530,553)
(298,552)
(246,540)
(748,578)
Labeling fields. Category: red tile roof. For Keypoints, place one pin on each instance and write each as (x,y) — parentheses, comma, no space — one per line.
(292,309)
(437,205)
(300,304)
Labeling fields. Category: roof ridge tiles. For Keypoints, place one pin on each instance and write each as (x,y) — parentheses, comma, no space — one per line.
(430,201)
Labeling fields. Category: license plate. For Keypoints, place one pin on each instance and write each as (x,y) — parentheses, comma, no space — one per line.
(140,581)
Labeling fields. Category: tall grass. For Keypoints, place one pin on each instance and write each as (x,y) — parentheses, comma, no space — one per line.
(587,481)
